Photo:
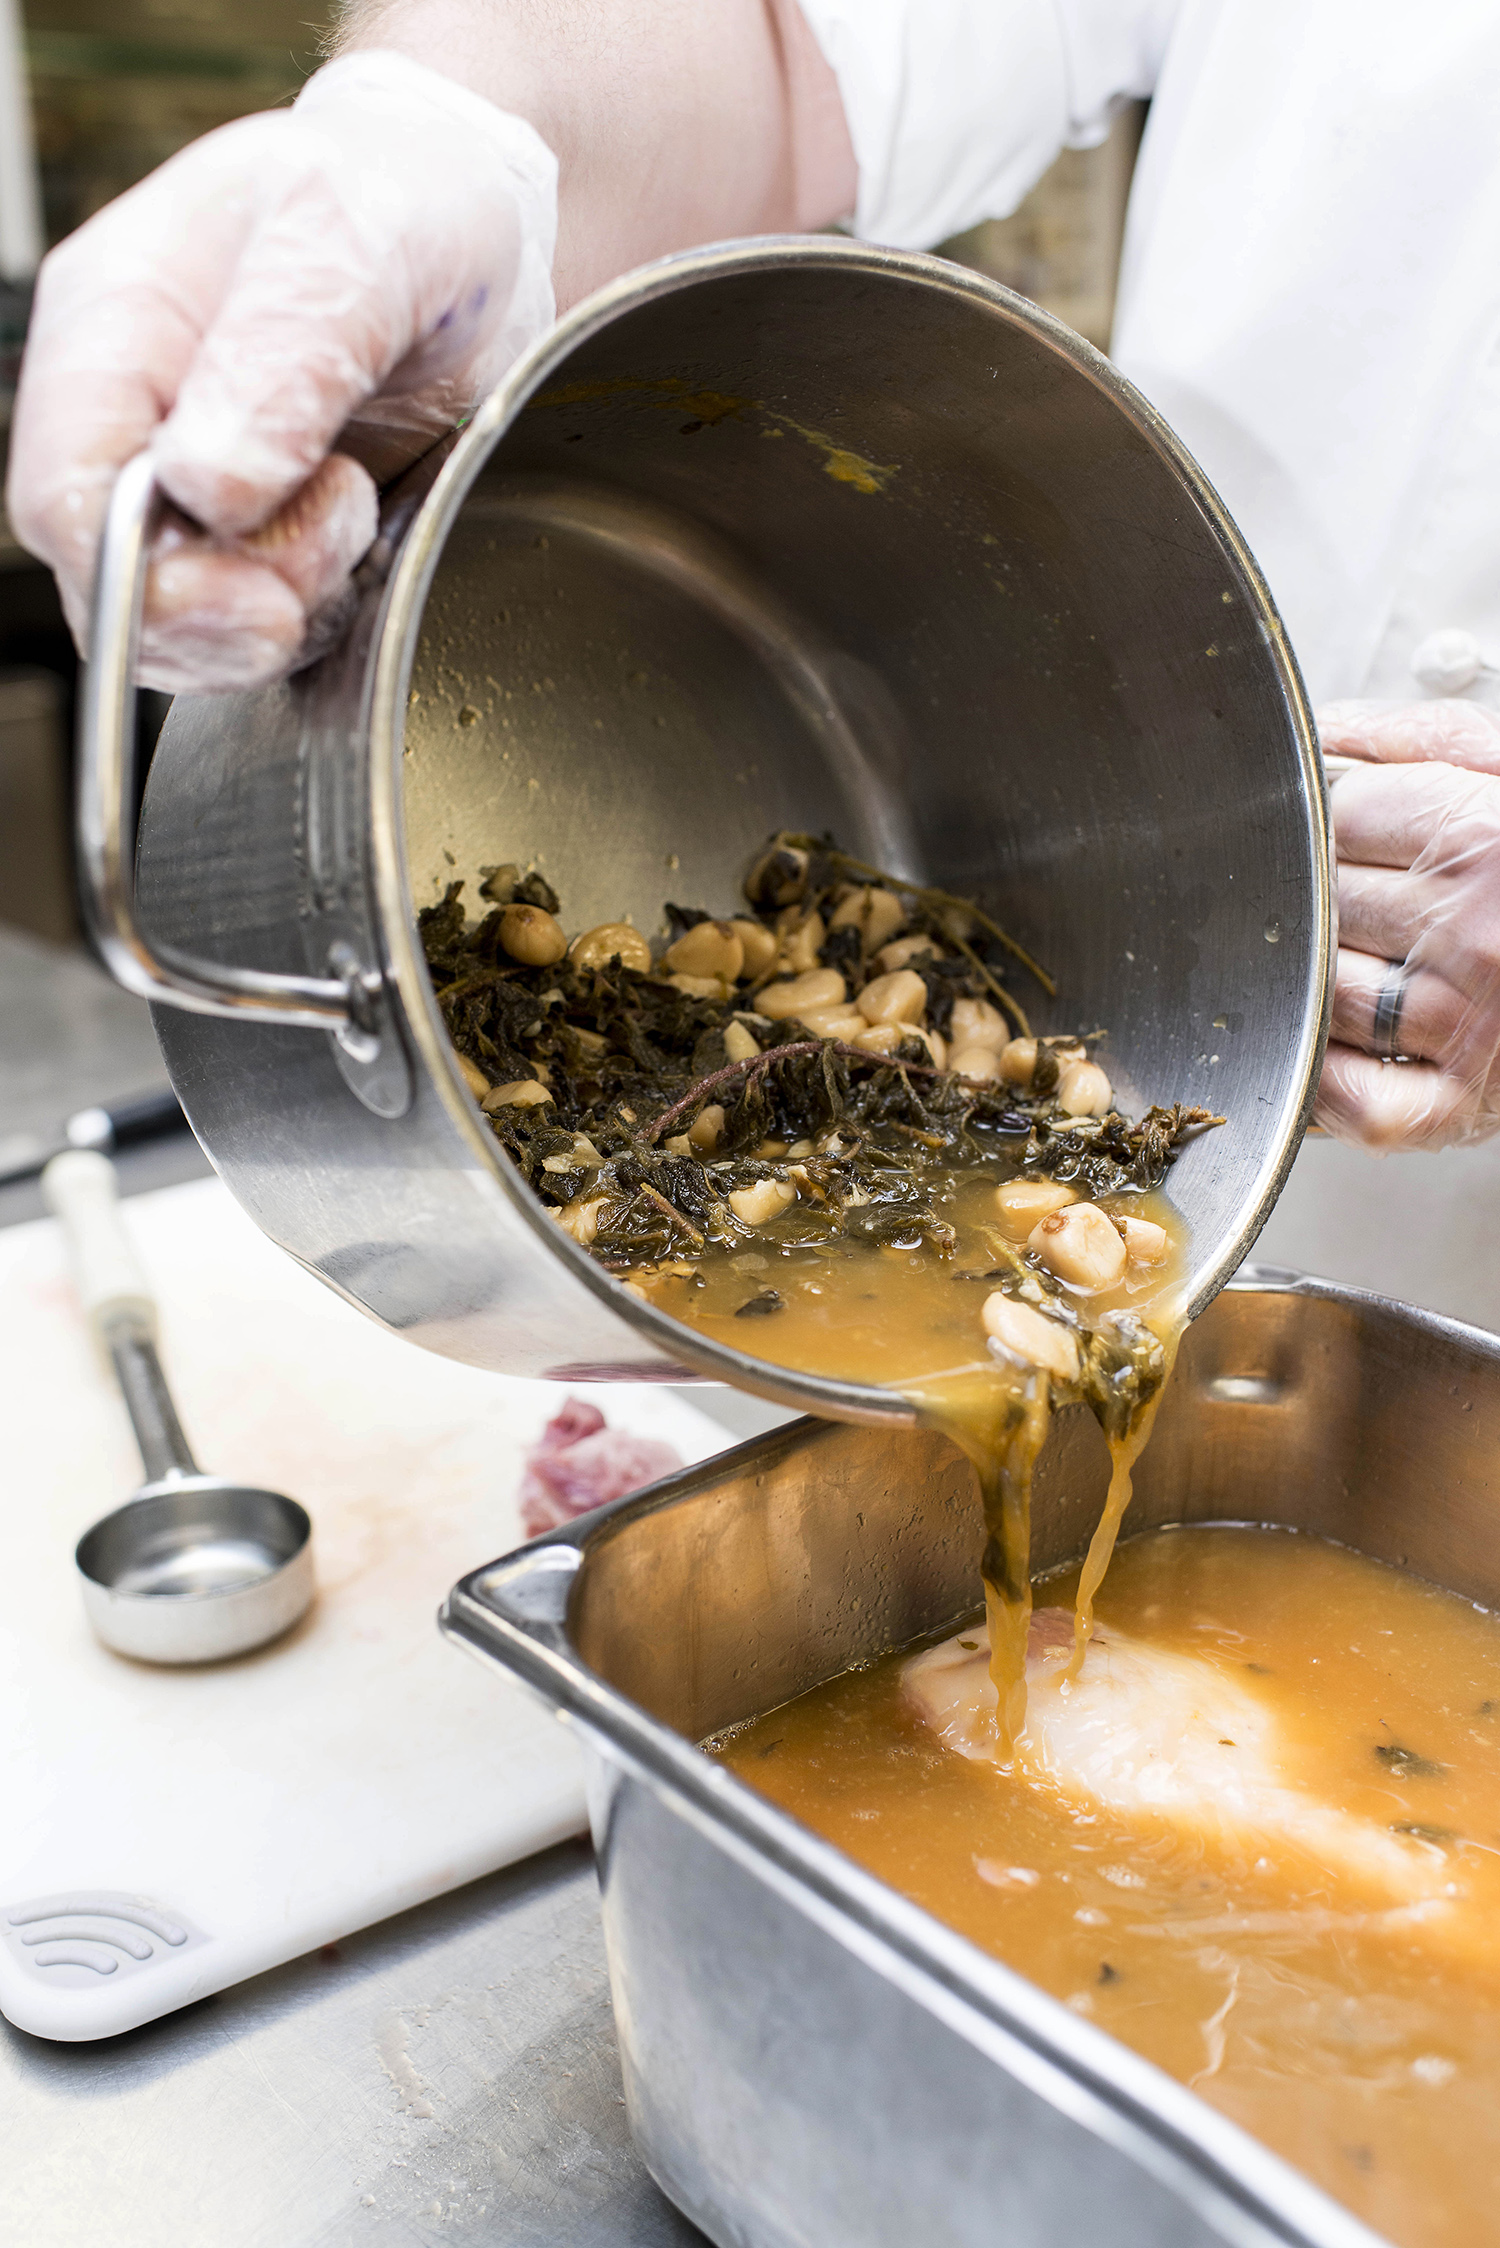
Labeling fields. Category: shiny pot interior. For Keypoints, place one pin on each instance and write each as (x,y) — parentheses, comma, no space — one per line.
(784,534)
(833,549)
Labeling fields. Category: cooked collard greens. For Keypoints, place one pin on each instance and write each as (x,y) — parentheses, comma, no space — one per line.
(824,1059)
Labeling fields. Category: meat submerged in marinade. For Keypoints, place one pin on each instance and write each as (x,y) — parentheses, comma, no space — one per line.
(1300,1926)
(1154,1734)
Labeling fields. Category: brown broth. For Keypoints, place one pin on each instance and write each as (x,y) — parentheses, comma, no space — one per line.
(899,1318)
(1365,2051)
(909,1319)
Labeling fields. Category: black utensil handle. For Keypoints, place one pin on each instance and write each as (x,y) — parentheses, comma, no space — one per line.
(144,1118)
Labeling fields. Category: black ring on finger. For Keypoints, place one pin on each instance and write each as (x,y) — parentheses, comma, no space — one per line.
(1389,1001)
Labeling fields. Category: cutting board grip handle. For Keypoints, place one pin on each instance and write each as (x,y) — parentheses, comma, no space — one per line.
(80,1188)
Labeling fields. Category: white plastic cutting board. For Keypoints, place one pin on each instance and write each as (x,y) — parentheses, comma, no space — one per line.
(181,1829)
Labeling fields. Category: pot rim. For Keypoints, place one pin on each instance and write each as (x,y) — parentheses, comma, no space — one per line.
(689,1355)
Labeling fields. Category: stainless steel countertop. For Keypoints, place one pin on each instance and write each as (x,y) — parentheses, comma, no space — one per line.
(450,2076)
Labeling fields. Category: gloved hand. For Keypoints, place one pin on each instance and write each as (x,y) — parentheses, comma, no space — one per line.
(358,269)
(1418,844)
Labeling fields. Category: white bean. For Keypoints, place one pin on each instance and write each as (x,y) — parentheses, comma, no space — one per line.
(819,987)
(1031,1336)
(1081,1246)
(1146,1243)
(1083,1090)
(876,913)
(709,948)
(1018,1061)
(581,1219)
(612,940)
(1023,1203)
(833,1022)
(767,1198)
(758,944)
(905,950)
(977,1023)
(531,935)
(739,1046)
(979,1062)
(473,1076)
(799,940)
(707,1128)
(522,1092)
(899,998)
(700,987)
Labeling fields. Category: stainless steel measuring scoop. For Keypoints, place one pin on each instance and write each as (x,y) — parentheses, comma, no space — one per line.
(194,1567)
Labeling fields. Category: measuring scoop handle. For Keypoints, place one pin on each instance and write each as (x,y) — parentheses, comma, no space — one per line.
(81,1189)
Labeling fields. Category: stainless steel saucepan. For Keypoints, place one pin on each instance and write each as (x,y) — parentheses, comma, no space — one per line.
(788,532)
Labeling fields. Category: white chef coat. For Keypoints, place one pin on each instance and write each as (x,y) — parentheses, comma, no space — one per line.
(1310,290)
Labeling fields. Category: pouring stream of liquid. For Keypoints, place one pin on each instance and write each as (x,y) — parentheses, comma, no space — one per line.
(1124,1450)
(999,1417)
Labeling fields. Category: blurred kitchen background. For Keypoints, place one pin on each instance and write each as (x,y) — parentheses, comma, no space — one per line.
(94,94)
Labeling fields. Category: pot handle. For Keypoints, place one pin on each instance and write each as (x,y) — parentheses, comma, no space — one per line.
(108,788)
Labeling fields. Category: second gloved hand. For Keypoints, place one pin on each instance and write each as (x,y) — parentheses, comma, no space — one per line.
(1417,830)
(358,270)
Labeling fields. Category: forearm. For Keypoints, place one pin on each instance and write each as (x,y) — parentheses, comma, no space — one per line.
(358,270)
(674,122)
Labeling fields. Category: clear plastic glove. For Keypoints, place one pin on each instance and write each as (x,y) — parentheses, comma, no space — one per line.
(359,270)
(1418,842)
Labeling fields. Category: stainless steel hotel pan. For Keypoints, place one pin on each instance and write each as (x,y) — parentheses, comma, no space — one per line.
(783,533)
(811,2061)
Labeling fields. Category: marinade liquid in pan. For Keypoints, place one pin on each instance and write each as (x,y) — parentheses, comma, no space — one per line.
(1258,1840)
(822,1132)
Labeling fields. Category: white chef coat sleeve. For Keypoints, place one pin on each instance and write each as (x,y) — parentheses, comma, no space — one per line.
(956,107)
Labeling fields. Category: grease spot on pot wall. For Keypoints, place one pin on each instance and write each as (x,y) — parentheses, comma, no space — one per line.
(668,393)
(844,466)
(706,408)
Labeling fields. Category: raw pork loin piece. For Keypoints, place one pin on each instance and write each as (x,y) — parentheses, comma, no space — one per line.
(578,1463)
